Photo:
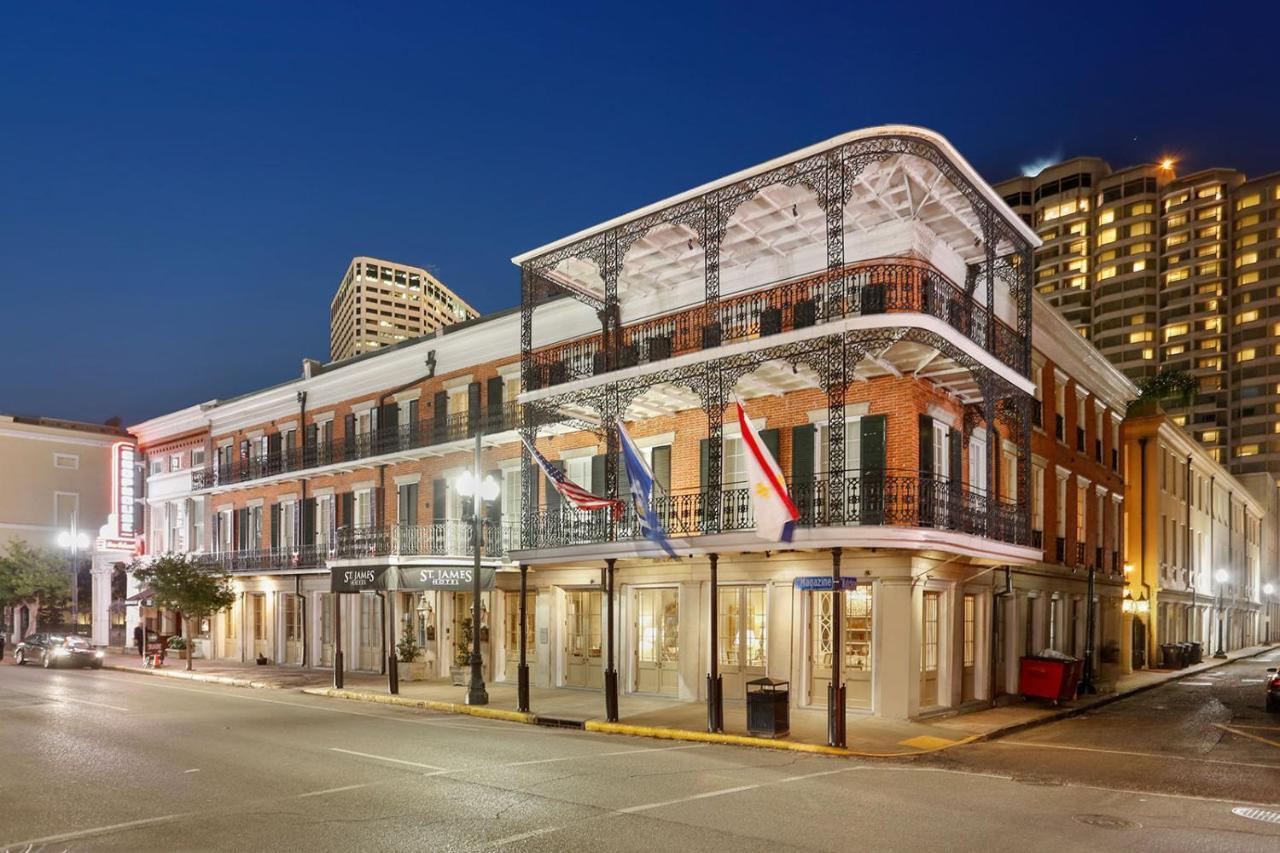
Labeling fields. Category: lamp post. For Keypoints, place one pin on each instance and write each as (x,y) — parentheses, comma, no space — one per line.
(471,485)
(1268,590)
(1221,577)
(73,540)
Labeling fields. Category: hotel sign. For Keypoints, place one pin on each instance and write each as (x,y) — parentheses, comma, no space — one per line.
(459,578)
(357,579)
(123,496)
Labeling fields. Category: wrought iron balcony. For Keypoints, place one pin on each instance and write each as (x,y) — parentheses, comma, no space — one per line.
(452,537)
(1079,553)
(266,559)
(891,498)
(424,433)
(901,286)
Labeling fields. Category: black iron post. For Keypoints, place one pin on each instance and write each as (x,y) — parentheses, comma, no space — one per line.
(522,673)
(610,674)
(835,690)
(337,640)
(1086,680)
(476,692)
(393,671)
(1221,652)
(715,698)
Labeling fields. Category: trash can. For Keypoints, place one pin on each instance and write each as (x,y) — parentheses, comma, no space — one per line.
(1055,678)
(768,707)
(1171,656)
(1197,652)
(1184,652)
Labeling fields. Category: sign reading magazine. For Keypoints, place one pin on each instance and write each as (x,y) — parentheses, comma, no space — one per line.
(458,578)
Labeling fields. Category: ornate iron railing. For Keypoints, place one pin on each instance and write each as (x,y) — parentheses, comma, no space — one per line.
(873,288)
(411,436)
(890,498)
(266,559)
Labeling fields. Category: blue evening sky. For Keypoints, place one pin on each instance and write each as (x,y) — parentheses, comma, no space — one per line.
(183,184)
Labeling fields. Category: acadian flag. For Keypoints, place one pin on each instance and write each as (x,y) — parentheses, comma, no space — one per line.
(641,481)
(775,514)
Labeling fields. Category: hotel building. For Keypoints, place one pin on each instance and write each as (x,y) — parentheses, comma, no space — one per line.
(952,445)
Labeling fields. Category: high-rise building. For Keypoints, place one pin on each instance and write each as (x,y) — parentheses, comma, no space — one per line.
(380,303)
(1162,270)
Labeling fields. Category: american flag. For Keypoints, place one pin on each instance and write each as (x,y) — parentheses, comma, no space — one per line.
(572,492)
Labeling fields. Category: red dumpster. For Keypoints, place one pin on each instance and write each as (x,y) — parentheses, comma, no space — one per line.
(1049,678)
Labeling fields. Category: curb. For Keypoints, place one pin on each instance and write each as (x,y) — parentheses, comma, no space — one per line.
(224,680)
(1067,713)
(425,704)
(601,727)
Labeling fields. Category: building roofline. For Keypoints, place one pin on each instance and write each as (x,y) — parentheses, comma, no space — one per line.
(931,136)
(64,424)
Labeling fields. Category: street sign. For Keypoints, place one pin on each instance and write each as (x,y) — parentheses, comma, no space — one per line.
(820,583)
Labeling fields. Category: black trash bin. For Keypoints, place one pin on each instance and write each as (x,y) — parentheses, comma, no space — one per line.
(1184,654)
(768,707)
(1197,652)
(1171,656)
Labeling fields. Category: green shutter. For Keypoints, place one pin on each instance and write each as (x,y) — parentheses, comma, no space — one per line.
(275,525)
(596,486)
(871,480)
(926,444)
(802,485)
(770,439)
(438,500)
(662,468)
(495,506)
(704,463)
(553,497)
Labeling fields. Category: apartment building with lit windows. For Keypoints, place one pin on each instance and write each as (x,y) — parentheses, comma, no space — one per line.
(380,303)
(1160,270)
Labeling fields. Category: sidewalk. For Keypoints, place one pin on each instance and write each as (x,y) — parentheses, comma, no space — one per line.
(652,716)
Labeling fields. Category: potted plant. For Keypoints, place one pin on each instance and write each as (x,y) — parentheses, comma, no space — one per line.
(407,651)
(178,643)
(462,654)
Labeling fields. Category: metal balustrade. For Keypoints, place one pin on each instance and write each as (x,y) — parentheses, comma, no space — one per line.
(890,498)
(878,288)
(412,436)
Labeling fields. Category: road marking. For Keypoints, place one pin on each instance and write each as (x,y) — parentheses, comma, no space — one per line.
(87,702)
(1252,680)
(192,770)
(333,790)
(1130,752)
(1196,683)
(692,797)
(392,760)
(97,830)
(533,833)
(1259,738)
(576,757)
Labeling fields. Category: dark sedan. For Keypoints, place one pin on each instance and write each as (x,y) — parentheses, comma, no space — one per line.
(50,650)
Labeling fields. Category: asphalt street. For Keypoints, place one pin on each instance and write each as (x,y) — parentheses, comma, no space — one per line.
(112,761)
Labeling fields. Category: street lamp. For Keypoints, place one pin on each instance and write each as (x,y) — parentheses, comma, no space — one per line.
(472,485)
(73,540)
(1221,576)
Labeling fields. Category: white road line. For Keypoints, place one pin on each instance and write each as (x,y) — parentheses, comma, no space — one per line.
(533,833)
(192,770)
(1160,755)
(87,702)
(1196,683)
(334,790)
(392,760)
(97,830)
(576,757)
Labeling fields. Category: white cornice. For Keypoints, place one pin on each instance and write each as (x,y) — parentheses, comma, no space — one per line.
(1076,358)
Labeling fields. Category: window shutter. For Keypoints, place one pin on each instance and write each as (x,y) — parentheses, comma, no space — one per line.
(553,497)
(926,444)
(871,479)
(473,408)
(802,485)
(438,500)
(494,394)
(624,480)
(770,439)
(704,463)
(389,425)
(275,525)
(349,433)
(216,526)
(347,517)
(597,475)
(308,535)
(440,415)
(662,467)
(495,506)
(953,450)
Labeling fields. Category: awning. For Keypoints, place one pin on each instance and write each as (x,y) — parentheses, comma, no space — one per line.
(459,578)
(142,595)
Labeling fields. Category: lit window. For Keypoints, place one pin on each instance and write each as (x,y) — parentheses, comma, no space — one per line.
(1148,354)
(1176,275)
(1106,217)
(1106,273)
(1140,337)
(1248,201)
(1246,354)
(1247,316)
(1106,236)
(1139,266)
(1175,330)
(1247,450)
(1246,258)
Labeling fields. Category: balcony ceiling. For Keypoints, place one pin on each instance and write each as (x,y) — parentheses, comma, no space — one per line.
(782,222)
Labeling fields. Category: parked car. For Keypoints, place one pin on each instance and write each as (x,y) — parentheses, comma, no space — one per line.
(1273,689)
(51,650)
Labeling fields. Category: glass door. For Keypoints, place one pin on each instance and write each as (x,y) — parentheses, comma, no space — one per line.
(511,633)
(583,656)
(929,647)
(658,641)
(857,665)
(741,624)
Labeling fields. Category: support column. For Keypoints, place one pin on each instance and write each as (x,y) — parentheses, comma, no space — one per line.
(100,620)
(835,690)
(393,671)
(715,696)
(610,674)
(337,640)
(836,384)
(522,671)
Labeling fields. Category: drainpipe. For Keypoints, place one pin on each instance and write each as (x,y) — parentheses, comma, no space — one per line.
(1186,548)
(997,600)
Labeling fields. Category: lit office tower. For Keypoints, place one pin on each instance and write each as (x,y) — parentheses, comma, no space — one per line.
(380,303)
(1165,270)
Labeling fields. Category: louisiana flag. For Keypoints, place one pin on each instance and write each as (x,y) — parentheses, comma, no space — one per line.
(640,480)
(775,513)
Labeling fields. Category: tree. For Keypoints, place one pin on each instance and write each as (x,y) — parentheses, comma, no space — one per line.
(33,577)
(1168,386)
(194,590)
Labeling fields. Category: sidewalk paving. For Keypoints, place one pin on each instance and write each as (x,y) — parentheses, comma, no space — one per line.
(652,716)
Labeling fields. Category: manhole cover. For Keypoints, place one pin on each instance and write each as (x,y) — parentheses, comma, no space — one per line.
(1106,821)
(1257,814)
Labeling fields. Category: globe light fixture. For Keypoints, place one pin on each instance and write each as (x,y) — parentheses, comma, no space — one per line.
(1221,576)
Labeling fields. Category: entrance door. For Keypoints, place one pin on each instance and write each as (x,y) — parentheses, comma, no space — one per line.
(929,647)
(326,628)
(292,629)
(969,648)
(370,640)
(230,645)
(511,621)
(583,658)
(741,622)
(823,636)
(658,641)
(258,609)
(462,613)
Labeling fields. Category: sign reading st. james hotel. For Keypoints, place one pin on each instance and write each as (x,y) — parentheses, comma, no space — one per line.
(411,578)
